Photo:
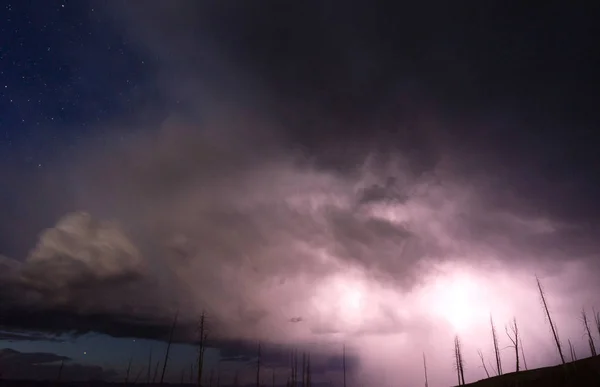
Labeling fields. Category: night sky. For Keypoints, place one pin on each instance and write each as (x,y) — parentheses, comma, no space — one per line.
(309,174)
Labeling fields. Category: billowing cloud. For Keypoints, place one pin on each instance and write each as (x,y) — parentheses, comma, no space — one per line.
(276,248)
(298,225)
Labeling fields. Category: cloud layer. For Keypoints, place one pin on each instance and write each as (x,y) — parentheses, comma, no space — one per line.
(295,221)
(47,366)
(274,247)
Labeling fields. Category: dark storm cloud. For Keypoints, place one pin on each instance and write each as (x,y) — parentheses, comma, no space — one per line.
(46,366)
(28,336)
(308,152)
(11,357)
(203,194)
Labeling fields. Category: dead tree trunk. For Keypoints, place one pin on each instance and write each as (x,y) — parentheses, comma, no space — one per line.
(155,372)
(128,371)
(308,373)
(344,363)
(496,347)
(201,347)
(425,370)
(597,320)
(588,332)
(523,354)
(483,362)
(60,370)
(164,370)
(138,375)
(459,361)
(303,369)
(258,367)
(515,340)
(293,368)
(296,368)
(552,326)
(572,350)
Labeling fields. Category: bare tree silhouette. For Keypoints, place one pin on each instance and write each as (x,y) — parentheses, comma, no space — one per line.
(344,363)
(459,361)
(258,366)
(128,370)
(164,370)
(588,332)
(523,353)
(496,347)
(552,326)
(425,369)
(573,354)
(597,320)
(308,373)
(202,337)
(155,372)
(483,362)
(60,369)
(514,339)
(303,369)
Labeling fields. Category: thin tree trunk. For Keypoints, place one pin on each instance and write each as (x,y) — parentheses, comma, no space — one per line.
(294,368)
(155,372)
(201,348)
(573,354)
(164,370)
(552,326)
(303,369)
(137,377)
(425,370)
(459,361)
(344,362)
(60,369)
(588,332)
(482,363)
(128,371)
(515,340)
(308,374)
(496,347)
(523,354)
(597,320)
(258,367)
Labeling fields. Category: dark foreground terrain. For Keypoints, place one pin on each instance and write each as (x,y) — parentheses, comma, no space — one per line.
(581,373)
